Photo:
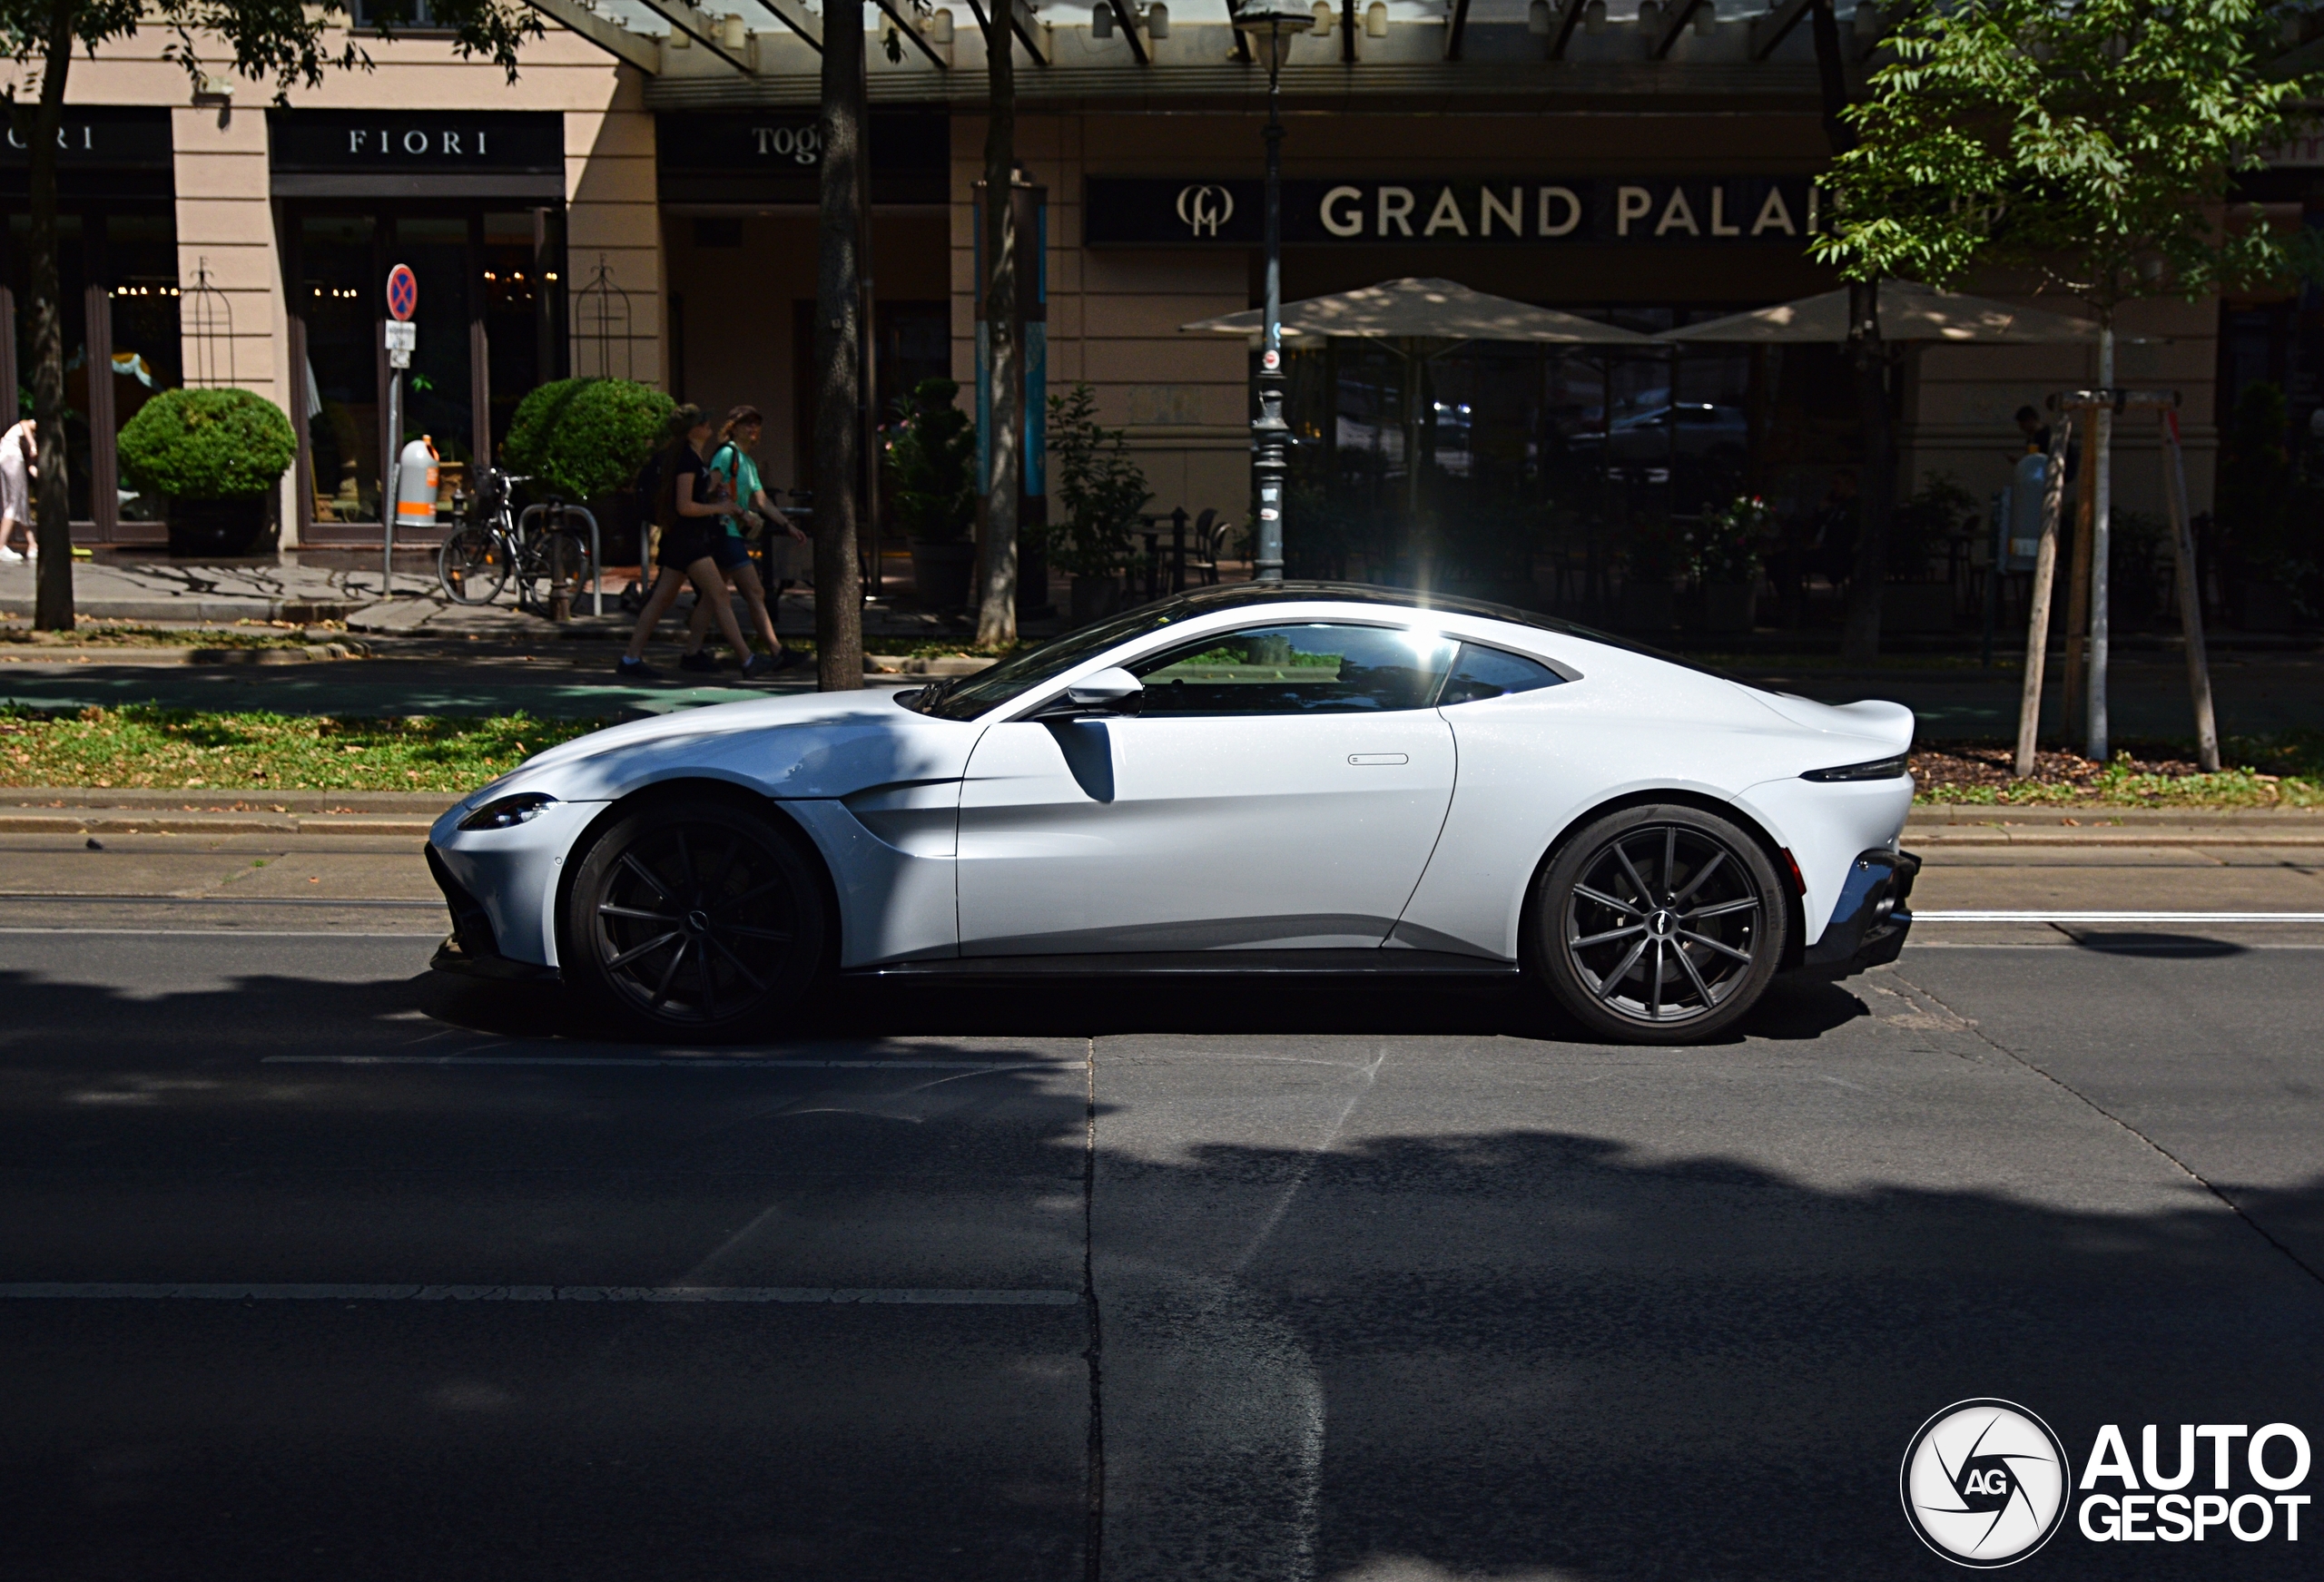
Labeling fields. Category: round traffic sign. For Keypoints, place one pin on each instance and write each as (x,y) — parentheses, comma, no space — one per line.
(403,292)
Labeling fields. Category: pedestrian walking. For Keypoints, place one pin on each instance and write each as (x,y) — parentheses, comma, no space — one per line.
(19,466)
(737,476)
(685,507)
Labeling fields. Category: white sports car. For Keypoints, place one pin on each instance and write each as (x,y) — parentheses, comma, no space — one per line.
(1274,778)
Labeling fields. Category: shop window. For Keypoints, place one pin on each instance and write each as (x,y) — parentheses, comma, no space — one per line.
(440,396)
(338,294)
(72,280)
(521,296)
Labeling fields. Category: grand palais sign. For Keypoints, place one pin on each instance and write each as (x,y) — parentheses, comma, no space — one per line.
(1613,210)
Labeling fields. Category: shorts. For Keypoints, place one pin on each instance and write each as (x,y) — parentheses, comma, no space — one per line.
(684,543)
(16,485)
(729,550)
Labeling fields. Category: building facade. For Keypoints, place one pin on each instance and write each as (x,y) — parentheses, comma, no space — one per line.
(640,202)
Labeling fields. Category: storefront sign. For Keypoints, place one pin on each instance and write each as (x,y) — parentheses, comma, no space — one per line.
(110,137)
(776,156)
(1139,211)
(432,143)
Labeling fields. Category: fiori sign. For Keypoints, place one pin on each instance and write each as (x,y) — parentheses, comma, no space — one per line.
(1143,211)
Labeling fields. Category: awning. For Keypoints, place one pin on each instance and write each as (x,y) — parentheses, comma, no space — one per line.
(1908,311)
(1422,310)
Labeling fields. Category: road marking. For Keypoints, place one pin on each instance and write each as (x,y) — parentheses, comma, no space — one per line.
(2062,917)
(242,933)
(118,1290)
(662,1062)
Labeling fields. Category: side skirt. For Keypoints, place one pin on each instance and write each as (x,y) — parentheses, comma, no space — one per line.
(1397,965)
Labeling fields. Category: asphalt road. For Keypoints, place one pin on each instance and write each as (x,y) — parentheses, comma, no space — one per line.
(313,1265)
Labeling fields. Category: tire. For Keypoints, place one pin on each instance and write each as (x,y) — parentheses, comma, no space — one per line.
(563,551)
(694,917)
(473,566)
(1632,966)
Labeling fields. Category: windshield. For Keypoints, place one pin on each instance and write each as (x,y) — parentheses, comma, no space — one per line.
(968,696)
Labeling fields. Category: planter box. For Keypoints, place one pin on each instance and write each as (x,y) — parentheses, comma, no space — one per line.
(1095,598)
(1731,606)
(222,529)
(1916,607)
(942,572)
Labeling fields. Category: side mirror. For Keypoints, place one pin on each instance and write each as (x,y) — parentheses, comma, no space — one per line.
(1111,690)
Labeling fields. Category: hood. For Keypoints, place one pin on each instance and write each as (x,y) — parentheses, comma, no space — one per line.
(1884,727)
(818,745)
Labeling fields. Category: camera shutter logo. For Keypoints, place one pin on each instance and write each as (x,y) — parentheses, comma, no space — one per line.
(1985,1483)
(1203,208)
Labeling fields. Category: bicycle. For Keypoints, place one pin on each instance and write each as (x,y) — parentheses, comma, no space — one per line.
(546,544)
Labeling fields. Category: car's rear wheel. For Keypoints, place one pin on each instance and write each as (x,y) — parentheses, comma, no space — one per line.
(694,917)
(1658,925)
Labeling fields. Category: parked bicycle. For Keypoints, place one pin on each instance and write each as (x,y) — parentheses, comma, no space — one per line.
(542,550)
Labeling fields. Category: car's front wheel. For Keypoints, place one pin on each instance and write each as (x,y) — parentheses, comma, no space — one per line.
(694,917)
(1660,924)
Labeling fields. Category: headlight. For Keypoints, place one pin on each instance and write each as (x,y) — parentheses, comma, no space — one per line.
(1878,769)
(507,812)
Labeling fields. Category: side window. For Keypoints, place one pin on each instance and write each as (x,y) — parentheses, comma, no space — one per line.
(1302,669)
(1488,672)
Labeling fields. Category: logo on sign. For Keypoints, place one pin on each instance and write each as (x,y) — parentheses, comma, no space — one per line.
(403,292)
(1984,1483)
(1203,208)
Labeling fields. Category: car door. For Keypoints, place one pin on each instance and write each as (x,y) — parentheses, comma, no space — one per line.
(1280,787)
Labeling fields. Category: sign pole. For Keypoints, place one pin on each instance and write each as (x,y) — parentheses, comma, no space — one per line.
(402,336)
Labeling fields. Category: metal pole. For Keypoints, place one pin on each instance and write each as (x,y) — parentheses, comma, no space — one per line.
(1996,557)
(2190,598)
(1268,430)
(2101,480)
(2077,676)
(2037,615)
(393,485)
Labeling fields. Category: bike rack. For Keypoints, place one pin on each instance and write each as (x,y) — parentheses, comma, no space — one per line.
(596,562)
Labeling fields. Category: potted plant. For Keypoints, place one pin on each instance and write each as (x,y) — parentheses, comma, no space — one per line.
(585,440)
(931,462)
(214,457)
(1101,491)
(1724,552)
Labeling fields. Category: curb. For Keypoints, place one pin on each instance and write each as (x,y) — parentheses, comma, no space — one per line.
(1974,825)
(189,611)
(122,821)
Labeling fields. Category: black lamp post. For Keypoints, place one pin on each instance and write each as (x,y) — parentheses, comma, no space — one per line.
(1271,25)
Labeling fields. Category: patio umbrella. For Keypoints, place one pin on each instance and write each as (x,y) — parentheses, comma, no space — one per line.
(1416,310)
(1908,311)
(1420,319)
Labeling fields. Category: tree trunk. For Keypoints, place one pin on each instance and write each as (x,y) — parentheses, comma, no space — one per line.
(839,371)
(52,514)
(997,561)
(1868,360)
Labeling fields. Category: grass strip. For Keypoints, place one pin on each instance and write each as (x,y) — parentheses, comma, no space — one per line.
(141,746)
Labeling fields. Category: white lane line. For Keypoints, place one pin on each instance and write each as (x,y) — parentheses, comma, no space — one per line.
(118,1290)
(243,933)
(662,1063)
(2081,916)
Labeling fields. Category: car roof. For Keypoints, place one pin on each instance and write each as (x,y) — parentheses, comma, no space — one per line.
(1256,595)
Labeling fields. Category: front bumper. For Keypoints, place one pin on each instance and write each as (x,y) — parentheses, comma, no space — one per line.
(471,949)
(1869,924)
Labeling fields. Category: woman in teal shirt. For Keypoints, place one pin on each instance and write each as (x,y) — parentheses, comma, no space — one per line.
(730,460)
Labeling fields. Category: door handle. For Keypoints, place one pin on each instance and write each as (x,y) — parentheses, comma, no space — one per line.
(1363,759)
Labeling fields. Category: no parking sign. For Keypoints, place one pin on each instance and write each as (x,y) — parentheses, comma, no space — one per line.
(403,293)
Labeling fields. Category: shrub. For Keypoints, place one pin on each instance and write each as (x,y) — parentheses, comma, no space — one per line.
(1729,544)
(1100,487)
(933,459)
(585,438)
(208,444)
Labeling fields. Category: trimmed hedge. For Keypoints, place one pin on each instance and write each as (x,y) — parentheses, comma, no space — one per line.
(585,438)
(208,444)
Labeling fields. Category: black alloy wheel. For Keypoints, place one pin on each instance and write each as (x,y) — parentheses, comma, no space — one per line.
(694,916)
(1659,925)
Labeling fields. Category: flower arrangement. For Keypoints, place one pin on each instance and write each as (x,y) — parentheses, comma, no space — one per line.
(1729,544)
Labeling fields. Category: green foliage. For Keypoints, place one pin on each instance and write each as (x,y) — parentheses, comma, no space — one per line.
(585,438)
(933,459)
(2092,140)
(1098,486)
(207,445)
(1728,545)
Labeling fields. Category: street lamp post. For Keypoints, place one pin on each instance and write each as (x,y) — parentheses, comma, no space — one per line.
(1271,25)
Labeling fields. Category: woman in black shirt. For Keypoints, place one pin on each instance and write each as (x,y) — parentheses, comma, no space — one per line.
(685,512)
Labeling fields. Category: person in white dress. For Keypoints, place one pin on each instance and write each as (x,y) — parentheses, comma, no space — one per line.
(19,453)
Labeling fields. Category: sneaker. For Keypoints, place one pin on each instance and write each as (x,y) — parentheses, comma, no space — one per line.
(787,658)
(630,669)
(701,661)
(9,556)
